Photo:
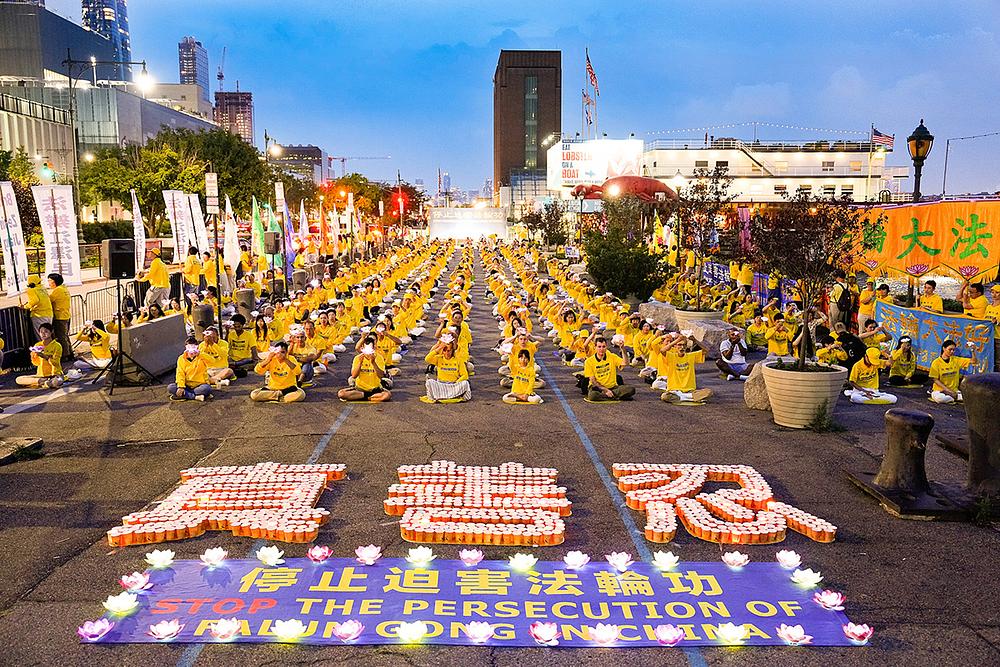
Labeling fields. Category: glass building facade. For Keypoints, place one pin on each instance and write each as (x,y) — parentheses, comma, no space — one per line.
(109,19)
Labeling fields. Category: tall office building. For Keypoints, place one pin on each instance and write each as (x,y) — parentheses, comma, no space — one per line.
(192,61)
(109,19)
(234,112)
(445,182)
(527,109)
(36,3)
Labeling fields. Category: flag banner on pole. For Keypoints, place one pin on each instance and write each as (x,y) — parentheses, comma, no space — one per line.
(256,231)
(334,219)
(58,218)
(289,234)
(15,256)
(590,117)
(231,245)
(592,76)
(177,210)
(883,139)
(303,221)
(201,232)
(139,231)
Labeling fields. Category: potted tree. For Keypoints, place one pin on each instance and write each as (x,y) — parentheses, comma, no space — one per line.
(808,239)
(701,208)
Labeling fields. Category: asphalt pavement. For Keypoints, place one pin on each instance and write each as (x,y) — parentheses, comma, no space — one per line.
(928,588)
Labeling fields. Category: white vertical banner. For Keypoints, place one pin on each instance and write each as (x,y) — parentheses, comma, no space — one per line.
(178,211)
(200,231)
(139,231)
(335,230)
(231,246)
(15,256)
(304,221)
(58,217)
(279,196)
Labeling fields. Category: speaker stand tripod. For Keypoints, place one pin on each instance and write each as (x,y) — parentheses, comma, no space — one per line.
(116,369)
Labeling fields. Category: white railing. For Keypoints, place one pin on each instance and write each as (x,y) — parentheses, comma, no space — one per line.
(770,146)
(687,171)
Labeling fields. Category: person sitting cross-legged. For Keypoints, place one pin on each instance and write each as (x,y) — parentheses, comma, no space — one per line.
(601,372)
(678,364)
(522,369)
(451,379)
(367,374)
(282,372)
(946,372)
(864,380)
(191,378)
(46,355)
(733,361)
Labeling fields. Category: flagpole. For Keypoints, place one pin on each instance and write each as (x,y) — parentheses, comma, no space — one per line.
(586,83)
(868,176)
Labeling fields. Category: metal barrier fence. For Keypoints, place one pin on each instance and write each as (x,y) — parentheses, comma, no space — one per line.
(18,337)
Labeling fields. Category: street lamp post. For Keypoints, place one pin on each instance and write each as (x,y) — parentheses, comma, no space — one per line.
(919,144)
(677,182)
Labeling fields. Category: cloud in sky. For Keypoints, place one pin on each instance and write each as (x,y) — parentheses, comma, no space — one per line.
(414,80)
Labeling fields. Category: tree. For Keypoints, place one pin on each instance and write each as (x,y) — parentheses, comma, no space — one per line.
(549,224)
(618,257)
(297,189)
(808,239)
(700,207)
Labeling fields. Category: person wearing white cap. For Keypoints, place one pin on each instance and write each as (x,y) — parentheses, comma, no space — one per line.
(191,377)
(215,353)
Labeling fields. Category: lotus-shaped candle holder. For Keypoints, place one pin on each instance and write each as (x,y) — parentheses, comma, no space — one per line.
(411,632)
(830,600)
(788,559)
(668,635)
(793,635)
(522,562)
(122,604)
(604,633)
(806,578)
(574,560)
(135,582)
(288,631)
(270,556)
(545,634)
(665,560)
(420,556)
(619,560)
(349,630)
(731,634)
(92,631)
(735,560)
(214,557)
(159,559)
(225,629)
(470,557)
(319,553)
(479,632)
(368,555)
(858,634)
(164,631)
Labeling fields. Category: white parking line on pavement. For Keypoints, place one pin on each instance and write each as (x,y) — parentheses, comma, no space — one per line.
(41,399)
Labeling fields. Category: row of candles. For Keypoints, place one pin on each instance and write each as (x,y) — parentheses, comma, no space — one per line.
(270,470)
(510,504)
(287,525)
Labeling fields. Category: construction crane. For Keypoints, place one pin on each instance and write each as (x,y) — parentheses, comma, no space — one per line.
(220,75)
(343,161)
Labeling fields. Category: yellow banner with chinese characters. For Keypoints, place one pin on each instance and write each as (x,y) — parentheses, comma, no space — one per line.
(959,237)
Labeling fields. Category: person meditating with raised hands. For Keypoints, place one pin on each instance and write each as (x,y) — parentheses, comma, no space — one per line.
(601,372)
(450,381)
(282,372)
(367,374)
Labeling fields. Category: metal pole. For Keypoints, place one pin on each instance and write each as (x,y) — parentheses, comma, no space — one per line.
(218,271)
(944,178)
(55,225)
(10,249)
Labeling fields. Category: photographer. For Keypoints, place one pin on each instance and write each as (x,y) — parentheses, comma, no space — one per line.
(733,351)
(99,340)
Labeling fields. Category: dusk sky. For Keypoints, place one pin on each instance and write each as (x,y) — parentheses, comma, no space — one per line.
(414,79)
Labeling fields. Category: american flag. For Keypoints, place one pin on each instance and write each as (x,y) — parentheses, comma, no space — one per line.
(593,76)
(882,139)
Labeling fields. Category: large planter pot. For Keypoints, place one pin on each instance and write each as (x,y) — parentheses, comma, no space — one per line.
(687,317)
(796,396)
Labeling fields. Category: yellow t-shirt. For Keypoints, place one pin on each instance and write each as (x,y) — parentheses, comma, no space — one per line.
(216,355)
(902,366)
(367,379)
(604,371)
(932,302)
(778,342)
(279,374)
(866,311)
(448,370)
(679,369)
(39,304)
(60,303)
(192,270)
(99,343)
(52,365)
(524,379)
(830,355)
(240,345)
(948,372)
(865,375)
(977,307)
(191,372)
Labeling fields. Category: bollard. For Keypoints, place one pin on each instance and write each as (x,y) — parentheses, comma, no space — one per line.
(245,302)
(981,394)
(902,466)
(202,315)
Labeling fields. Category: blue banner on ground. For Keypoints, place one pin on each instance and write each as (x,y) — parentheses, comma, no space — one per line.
(928,330)
(447,596)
